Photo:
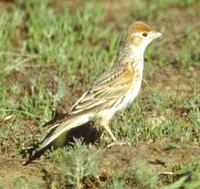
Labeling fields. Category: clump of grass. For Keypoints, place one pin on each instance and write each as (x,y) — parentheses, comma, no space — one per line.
(20,183)
(117,183)
(145,176)
(77,163)
(144,10)
(5,132)
(188,56)
(139,176)
(186,176)
(177,184)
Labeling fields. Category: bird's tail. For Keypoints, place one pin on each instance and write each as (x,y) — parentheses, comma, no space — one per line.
(56,131)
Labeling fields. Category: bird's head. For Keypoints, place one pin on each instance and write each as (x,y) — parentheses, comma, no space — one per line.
(140,35)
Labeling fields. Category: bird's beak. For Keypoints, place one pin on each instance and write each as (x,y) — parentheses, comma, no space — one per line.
(156,34)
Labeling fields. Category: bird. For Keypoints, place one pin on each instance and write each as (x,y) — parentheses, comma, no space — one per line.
(113,91)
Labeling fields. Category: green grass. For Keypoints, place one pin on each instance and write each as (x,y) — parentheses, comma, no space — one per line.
(20,183)
(77,163)
(144,10)
(49,56)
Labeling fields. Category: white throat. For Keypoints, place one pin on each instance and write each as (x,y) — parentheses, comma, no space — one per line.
(138,53)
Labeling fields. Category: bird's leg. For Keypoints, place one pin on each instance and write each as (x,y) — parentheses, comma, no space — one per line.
(105,124)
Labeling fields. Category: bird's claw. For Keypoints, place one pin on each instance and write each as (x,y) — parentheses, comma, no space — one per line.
(118,142)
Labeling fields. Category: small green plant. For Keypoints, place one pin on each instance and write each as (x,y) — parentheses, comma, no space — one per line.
(190,176)
(145,176)
(117,183)
(77,163)
(144,10)
(177,184)
(188,57)
(20,183)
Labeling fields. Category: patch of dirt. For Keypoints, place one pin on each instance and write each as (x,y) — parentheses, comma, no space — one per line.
(11,169)
(114,161)
(6,4)
(173,81)
(118,159)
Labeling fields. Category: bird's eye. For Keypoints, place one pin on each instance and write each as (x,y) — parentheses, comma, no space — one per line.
(144,34)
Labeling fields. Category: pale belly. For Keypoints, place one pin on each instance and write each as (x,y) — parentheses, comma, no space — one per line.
(130,96)
(123,102)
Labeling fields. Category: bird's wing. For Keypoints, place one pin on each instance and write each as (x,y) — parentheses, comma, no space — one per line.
(106,91)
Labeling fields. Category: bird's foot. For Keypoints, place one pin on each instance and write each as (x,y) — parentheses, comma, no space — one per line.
(117,142)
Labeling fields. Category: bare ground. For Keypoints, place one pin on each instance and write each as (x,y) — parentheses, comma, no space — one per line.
(114,161)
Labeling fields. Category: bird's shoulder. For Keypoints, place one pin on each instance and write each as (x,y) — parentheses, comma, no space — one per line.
(116,74)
